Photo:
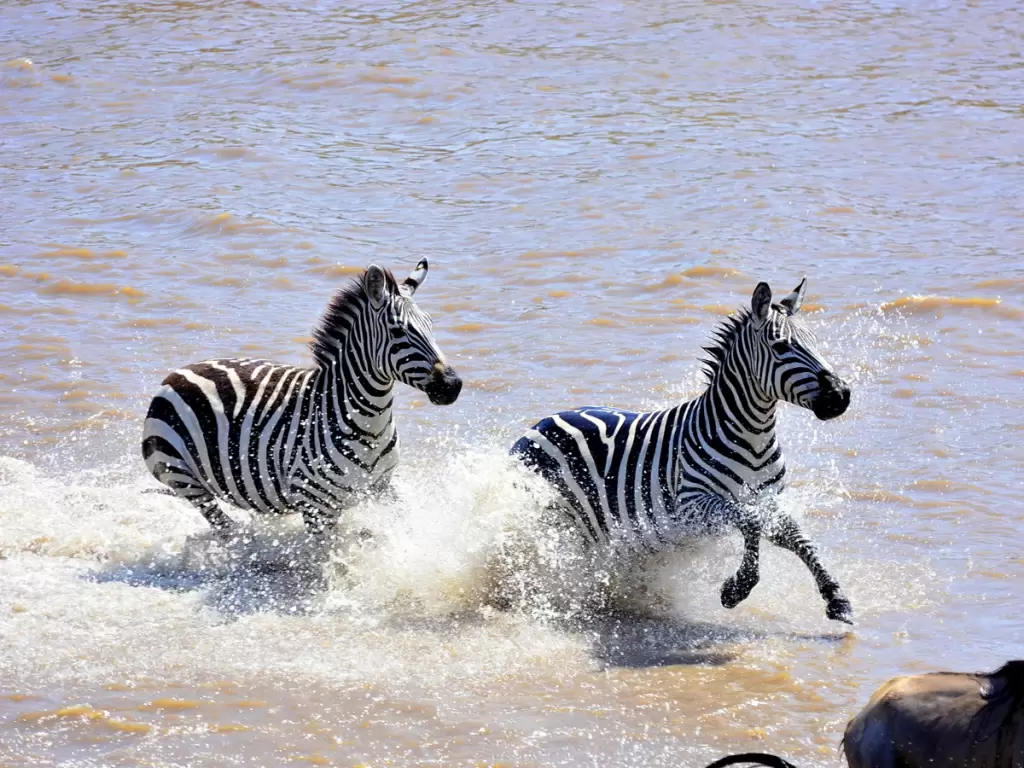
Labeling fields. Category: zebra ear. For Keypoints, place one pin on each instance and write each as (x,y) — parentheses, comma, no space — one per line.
(796,298)
(413,281)
(375,283)
(761,302)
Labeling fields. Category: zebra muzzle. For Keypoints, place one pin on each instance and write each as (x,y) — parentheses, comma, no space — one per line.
(833,397)
(444,386)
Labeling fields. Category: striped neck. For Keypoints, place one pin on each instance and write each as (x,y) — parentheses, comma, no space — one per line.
(744,410)
(350,397)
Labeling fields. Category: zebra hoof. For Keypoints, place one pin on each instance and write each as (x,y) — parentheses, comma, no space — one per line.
(223,533)
(732,593)
(839,609)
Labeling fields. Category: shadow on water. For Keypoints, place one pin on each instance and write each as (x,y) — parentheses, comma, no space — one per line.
(292,574)
(247,574)
(619,640)
(631,641)
(625,640)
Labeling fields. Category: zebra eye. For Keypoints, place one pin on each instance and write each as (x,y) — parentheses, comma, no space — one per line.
(781,347)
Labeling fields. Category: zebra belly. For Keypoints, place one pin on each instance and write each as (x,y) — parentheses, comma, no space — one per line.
(344,484)
(692,523)
(611,468)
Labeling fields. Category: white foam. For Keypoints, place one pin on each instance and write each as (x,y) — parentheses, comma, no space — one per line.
(103,582)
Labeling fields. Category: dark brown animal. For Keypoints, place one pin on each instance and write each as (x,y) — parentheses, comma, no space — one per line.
(938,720)
(757,758)
(944,719)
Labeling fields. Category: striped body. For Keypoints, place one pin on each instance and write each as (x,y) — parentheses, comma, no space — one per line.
(644,482)
(626,477)
(276,438)
(265,437)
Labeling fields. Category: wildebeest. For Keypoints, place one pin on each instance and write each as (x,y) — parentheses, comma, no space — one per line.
(756,758)
(942,719)
(939,720)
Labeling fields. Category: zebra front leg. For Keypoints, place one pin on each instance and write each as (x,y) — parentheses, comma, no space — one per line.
(318,522)
(322,523)
(739,586)
(784,532)
(384,492)
(711,515)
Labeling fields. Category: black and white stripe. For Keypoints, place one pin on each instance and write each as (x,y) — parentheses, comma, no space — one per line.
(647,481)
(276,438)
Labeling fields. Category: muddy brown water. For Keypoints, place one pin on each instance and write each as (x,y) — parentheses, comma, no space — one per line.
(595,186)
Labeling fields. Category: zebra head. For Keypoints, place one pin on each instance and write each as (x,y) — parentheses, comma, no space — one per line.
(404,344)
(787,359)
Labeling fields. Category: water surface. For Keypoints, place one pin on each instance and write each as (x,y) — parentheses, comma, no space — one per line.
(595,187)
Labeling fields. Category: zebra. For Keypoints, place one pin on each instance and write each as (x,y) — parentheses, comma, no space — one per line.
(275,438)
(645,482)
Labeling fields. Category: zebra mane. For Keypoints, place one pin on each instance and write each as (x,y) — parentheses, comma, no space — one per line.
(722,339)
(337,318)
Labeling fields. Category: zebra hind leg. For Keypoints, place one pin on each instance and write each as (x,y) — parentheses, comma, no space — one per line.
(167,466)
(202,500)
(784,532)
(218,519)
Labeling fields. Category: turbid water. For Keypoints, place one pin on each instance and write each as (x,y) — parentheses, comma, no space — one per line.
(595,186)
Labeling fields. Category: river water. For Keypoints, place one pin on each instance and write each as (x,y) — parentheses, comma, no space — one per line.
(595,186)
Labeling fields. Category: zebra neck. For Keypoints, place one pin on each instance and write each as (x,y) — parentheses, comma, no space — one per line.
(744,418)
(350,402)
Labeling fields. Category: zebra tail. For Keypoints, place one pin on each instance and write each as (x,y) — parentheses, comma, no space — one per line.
(163,491)
(758,758)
